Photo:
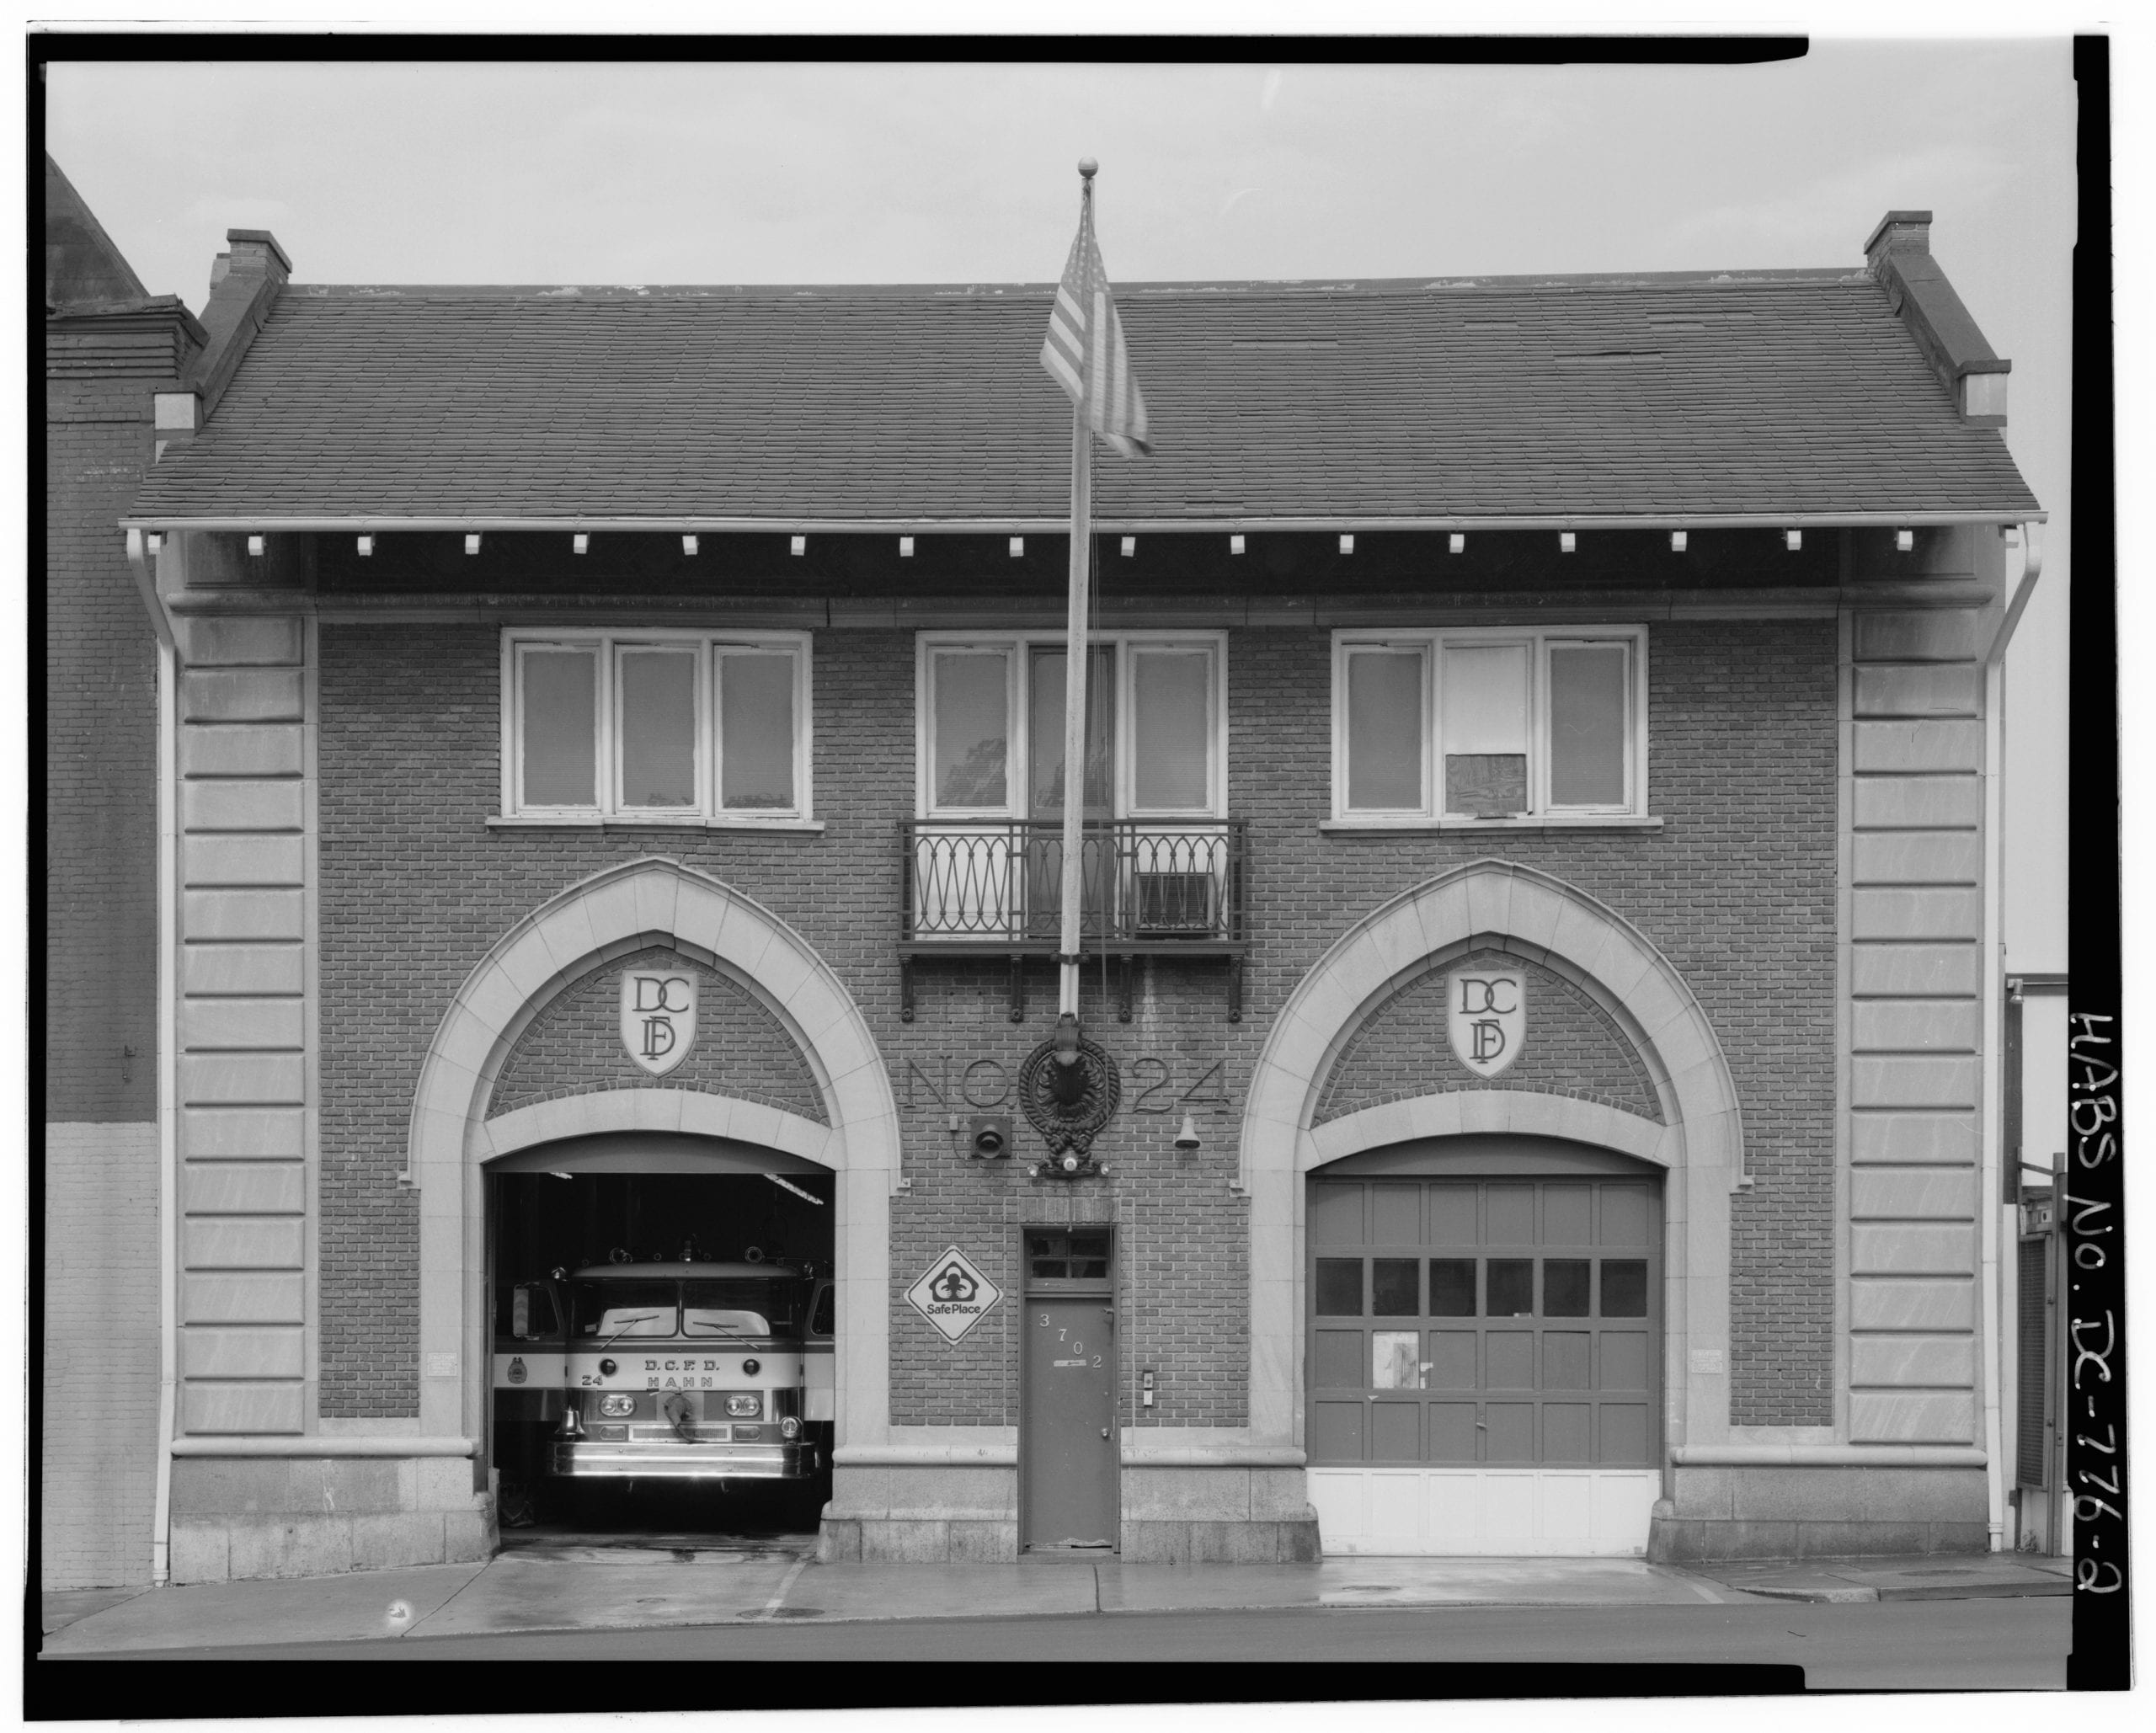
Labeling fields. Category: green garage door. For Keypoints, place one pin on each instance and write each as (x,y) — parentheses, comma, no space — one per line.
(1471,1321)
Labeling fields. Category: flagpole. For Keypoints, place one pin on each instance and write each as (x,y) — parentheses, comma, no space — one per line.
(1077,662)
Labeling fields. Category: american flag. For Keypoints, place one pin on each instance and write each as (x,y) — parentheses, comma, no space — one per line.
(1085,349)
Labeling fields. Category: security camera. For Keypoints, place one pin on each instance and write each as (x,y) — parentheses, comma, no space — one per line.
(987,1136)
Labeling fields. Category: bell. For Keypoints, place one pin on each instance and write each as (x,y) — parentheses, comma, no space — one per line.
(1187,1138)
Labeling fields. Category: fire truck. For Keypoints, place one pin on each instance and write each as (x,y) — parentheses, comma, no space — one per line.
(687,1371)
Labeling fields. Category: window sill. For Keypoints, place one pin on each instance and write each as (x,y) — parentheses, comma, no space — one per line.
(496,821)
(1584,821)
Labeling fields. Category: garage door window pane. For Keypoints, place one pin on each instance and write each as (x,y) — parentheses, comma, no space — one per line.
(1452,1287)
(1511,1288)
(1565,1287)
(756,725)
(1624,1287)
(1393,1360)
(1385,731)
(1340,1287)
(1587,725)
(658,729)
(558,691)
(1394,1288)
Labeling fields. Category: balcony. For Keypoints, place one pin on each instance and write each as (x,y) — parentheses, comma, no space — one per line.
(995,887)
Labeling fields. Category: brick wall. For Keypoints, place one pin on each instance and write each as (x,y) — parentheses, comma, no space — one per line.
(1737,889)
(100,761)
(1570,1048)
(574,1047)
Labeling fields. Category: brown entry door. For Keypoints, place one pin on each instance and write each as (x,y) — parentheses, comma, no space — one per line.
(1069,1435)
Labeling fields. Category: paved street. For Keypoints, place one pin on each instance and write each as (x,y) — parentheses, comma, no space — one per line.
(1979,1645)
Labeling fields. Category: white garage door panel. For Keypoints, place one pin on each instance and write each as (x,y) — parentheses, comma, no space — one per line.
(1393,1512)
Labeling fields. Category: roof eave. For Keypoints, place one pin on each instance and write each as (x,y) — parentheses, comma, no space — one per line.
(1215,523)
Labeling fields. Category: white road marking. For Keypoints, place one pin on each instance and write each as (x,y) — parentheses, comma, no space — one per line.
(779,1594)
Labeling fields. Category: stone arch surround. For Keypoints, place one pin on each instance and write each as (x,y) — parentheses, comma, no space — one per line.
(614,913)
(1520,910)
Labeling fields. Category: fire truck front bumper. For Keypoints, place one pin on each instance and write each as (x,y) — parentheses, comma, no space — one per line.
(659,1460)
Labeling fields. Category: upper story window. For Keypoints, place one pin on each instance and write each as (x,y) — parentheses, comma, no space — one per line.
(992,727)
(658,726)
(1490,723)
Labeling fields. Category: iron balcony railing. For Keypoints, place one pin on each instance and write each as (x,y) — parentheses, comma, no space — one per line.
(1148,884)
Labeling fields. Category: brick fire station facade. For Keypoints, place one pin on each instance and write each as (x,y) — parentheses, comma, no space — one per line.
(1542,864)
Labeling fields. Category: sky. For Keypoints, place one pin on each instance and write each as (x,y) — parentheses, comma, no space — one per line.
(656,173)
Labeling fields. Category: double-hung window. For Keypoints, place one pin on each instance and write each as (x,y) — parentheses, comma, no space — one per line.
(660,726)
(1543,725)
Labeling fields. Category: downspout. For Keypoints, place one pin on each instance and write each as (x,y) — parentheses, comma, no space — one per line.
(1995,951)
(140,561)
(167,1117)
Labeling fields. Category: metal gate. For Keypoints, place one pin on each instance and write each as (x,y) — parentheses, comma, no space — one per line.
(1484,1360)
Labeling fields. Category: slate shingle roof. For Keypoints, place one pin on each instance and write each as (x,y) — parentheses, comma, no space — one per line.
(1654,397)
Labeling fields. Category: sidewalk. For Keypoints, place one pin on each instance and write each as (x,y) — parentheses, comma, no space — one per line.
(1946,1576)
(658,1584)
(687,1581)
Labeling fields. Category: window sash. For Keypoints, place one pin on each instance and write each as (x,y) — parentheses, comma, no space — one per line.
(728,658)
(1354,740)
(1021,750)
(614,701)
(632,698)
(521,724)
(1543,710)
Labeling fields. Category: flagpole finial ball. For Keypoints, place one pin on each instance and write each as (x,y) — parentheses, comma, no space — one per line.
(1088,168)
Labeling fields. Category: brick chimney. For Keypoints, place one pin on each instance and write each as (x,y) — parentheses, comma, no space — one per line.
(1898,255)
(244,285)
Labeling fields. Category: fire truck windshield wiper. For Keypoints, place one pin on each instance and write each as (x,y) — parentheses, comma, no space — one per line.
(628,1325)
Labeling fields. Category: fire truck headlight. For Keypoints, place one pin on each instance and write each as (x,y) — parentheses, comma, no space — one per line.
(745,1404)
(618,1405)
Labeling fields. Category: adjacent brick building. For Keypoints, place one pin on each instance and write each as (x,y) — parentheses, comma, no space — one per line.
(1617,648)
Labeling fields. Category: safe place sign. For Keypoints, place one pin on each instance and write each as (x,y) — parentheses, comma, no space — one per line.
(952,1295)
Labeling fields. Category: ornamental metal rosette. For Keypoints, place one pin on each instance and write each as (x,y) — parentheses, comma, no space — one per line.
(1069,1088)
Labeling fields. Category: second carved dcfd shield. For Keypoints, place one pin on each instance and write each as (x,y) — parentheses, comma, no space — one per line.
(1485,1013)
(658,1017)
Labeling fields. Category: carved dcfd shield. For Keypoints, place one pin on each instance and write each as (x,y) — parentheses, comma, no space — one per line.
(1486,1014)
(658,1017)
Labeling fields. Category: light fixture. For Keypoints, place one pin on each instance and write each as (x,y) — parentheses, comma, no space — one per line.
(906,548)
(1347,544)
(580,543)
(1679,541)
(1234,544)
(471,544)
(1568,542)
(155,541)
(1457,543)
(1905,540)
(798,546)
(1017,547)
(689,546)
(364,544)
(1793,539)
(1130,546)
(254,544)
(1187,1138)
(1070,1163)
